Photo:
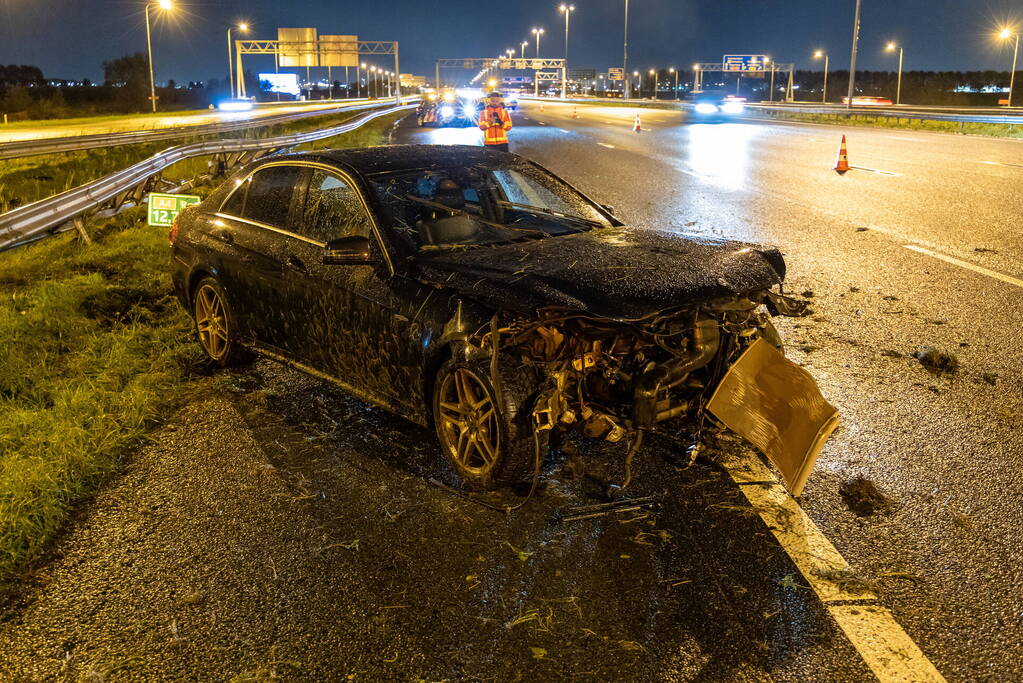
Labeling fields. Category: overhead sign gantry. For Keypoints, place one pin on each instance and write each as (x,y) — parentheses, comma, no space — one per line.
(751,66)
(297,47)
(544,69)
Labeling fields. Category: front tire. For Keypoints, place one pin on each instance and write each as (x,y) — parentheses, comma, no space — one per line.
(215,326)
(490,445)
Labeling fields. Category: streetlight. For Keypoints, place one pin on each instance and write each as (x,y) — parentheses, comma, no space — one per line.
(536,72)
(166,6)
(852,58)
(567,9)
(358,80)
(673,70)
(640,85)
(244,28)
(891,47)
(817,55)
(768,60)
(523,45)
(696,78)
(625,54)
(1005,34)
(653,73)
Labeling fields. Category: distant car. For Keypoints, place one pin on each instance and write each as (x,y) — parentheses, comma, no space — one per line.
(475,291)
(453,108)
(865,101)
(716,104)
(235,104)
(511,101)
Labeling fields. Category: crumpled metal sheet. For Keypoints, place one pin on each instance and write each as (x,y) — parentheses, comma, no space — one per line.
(776,405)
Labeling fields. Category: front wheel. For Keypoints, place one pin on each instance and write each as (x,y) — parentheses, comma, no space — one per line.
(490,443)
(215,325)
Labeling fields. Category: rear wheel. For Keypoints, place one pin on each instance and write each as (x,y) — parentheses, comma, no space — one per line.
(215,325)
(490,443)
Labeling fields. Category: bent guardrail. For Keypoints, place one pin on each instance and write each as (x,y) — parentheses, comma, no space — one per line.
(52,215)
(75,143)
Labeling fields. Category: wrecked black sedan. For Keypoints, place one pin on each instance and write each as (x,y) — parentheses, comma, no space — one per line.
(477,292)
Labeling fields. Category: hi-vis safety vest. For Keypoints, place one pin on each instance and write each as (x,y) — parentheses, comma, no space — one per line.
(494,134)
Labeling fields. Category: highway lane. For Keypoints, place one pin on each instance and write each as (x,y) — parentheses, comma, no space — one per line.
(133,124)
(947,451)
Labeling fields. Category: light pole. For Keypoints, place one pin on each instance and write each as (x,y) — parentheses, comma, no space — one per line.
(536,72)
(852,59)
(653,76)
(567,9)
(625,54)
(673,70)
(523,45)
(772,78)
(640,84)
(891,47)
(230,55)
(358,81)
(697,86)
(373,70)
(165,5)
(1005,34)
(817,55)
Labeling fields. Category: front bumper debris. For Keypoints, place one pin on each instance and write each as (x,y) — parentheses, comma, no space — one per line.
(776,405)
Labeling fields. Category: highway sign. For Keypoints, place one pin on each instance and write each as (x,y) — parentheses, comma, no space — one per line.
(616,74)
(744,63)
(164,208)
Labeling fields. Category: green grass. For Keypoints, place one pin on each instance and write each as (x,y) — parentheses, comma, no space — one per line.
(94,352)
(98,118)
(27,180)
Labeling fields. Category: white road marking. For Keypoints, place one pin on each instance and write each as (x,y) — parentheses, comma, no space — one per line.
(884,646)
(564,131)
(1000,163)
(874,170)
(966,264)
(604,144)
(541,123)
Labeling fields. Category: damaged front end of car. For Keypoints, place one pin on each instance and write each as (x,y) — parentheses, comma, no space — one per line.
(618,380)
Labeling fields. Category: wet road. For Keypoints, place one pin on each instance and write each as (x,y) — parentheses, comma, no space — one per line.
(282,529)
(872,248)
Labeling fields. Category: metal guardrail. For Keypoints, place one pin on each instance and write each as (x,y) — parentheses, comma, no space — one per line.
(54,214)
(74,143)
(923,113)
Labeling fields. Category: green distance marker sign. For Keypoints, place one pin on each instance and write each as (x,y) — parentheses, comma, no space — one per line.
(164,208)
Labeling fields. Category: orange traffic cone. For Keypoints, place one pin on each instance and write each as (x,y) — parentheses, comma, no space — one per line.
(575,112)
(842,165)
(541,107)
(637,125)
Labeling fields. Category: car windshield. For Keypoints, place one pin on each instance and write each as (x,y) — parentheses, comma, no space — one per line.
(442,208)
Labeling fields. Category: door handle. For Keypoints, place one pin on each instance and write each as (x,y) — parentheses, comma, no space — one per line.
(294,263)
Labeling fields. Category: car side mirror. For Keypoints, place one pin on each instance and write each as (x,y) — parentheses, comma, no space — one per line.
(347,251)
(607,207)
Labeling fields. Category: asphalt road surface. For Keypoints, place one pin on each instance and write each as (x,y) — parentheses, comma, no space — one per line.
(282,529)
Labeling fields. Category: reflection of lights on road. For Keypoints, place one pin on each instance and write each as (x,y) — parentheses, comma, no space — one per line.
(721,152)
(706,108)
(732,107)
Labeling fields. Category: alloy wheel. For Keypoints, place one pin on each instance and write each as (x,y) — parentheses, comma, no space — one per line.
(469,423)
(211,322)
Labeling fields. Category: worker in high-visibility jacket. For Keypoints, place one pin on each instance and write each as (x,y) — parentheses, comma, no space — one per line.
(495,122)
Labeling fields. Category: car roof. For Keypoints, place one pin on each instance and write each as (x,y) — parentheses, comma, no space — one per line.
(370,161)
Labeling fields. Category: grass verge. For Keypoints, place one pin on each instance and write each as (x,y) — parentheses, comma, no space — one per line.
(27,180)
(94,352)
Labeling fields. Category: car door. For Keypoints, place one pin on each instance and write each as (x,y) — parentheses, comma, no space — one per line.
(358,325)
(255,221)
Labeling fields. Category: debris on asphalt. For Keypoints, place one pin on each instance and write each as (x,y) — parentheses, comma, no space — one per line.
(847,580)
(808,294)
(891,353)
(936,360)
(863,497)
(989,377)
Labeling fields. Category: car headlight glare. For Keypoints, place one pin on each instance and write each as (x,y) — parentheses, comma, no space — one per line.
(447,112)
(706,108)
(732,107)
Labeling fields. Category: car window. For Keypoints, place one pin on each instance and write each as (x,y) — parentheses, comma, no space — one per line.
(270,193)
(235,204)
(333,209)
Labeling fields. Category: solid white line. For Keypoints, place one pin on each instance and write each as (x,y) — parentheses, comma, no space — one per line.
(564,131)
(604,144)
(884,646)
(1000,163)
(966,264)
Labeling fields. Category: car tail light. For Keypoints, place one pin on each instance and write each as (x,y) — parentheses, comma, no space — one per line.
(173,237)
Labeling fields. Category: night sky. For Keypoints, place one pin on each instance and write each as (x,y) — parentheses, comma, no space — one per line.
(71,38)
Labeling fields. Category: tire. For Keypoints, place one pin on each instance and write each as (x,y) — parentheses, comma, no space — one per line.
(215,325)
(467,436)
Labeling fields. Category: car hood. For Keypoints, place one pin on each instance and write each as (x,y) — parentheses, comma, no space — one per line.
(618,273)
